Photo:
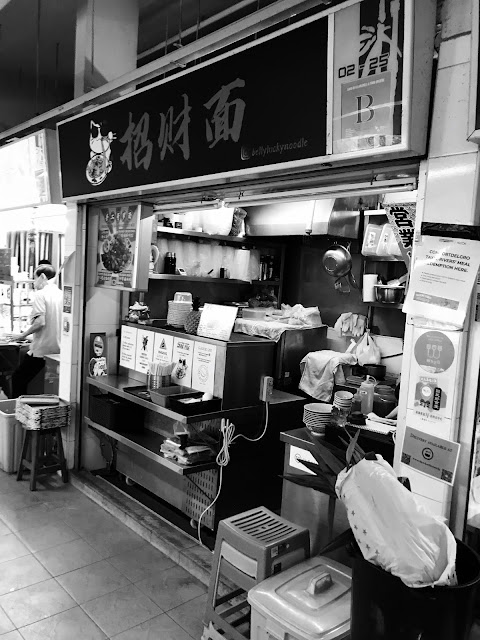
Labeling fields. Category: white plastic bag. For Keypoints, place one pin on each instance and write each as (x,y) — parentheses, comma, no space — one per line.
(299,315)
(392,530)
(367,351)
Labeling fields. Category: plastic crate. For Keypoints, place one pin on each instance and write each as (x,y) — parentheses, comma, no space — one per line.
(11,437)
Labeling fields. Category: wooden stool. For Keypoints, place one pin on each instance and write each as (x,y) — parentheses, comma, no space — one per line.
(43,459)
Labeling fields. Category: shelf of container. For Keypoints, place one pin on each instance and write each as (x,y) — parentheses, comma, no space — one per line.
(149,444)
(168,276)
(383,259)
(385,305)
(116,385)
(248,240)
(268,283)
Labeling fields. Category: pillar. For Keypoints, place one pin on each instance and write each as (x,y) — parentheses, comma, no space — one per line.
(105,43)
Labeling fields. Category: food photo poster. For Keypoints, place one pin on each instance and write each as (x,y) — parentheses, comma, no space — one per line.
(118,229)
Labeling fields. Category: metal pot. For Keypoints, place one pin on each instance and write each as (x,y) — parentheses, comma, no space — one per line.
(388,294)
(337,260)
(378,371)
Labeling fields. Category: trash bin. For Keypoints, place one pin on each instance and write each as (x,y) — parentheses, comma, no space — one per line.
(384,608)
(11,437)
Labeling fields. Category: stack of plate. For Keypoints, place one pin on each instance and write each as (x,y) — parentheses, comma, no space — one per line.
(177,313)
(316,416)
(343,400)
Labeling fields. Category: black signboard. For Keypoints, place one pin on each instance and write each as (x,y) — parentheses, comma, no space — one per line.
(261,106)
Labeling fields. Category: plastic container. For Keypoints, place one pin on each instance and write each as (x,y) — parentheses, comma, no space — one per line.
(309,601)
(366,393)
(254,314)
(371,239)
(383,607)
(11,437)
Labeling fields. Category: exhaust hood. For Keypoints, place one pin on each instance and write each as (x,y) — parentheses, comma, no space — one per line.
(307,217)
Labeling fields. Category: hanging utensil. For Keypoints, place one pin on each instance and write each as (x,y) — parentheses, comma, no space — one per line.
(337,260)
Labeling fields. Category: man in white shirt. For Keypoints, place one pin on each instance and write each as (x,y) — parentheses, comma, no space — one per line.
(46,325)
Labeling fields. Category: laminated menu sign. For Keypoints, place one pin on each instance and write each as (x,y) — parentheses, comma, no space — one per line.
(402,219)
(428,454)
(144,350)
(203,367)
(432,380)
(128,347)
(217,321)
(163,349)
(443,278)
(118,229)
(183,357)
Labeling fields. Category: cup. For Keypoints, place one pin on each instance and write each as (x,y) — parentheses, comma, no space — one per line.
(369,282)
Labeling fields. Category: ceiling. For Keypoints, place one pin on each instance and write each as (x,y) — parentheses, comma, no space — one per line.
(37,44)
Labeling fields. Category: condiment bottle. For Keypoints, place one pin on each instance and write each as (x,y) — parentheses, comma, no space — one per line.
(366,393)
(170,263)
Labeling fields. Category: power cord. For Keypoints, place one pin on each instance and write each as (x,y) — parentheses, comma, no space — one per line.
(227,430)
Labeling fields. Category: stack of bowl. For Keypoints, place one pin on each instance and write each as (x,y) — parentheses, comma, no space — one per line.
(316,416)
(343,400)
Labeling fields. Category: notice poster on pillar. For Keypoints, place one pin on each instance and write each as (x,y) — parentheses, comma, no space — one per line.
(443,277)
(203,367)
(183,358)
(163,349)
(430,455)
(433,375)
(144,350)
(368,70)
(128,347)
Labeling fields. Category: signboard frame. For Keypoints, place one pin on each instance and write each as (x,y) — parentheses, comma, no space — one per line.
(474,106)
(417,68)
(46,141)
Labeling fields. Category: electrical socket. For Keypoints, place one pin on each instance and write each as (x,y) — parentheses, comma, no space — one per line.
(266,388)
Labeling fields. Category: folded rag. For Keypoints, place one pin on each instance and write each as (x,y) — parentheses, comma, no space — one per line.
(320,369)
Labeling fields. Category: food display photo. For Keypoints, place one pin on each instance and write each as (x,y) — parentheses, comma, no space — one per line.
(117,238)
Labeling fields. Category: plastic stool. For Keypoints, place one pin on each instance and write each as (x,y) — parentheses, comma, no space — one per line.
(249,547)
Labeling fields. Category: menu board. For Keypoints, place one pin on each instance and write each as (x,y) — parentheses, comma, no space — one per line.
(183,357)
(203,367)
(128,347)
(144,350)
(118,229)
(163,349)
(217,321)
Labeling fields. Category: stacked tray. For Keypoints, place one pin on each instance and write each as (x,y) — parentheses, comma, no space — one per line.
(37,417)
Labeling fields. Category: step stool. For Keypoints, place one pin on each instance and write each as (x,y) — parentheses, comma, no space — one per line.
(249,548)
(46,454)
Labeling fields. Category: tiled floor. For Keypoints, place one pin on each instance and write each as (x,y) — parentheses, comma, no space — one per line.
(70,571)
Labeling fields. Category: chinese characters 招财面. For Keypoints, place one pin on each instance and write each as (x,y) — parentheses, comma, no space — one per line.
(223,123)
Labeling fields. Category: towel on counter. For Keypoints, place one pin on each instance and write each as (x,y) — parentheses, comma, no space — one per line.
(320,369)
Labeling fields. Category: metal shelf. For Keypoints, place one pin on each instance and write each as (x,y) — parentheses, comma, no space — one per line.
(116,385)
(148,443)
(382,259)
(247,241)
(268,283)
(385,305)
(168,276)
